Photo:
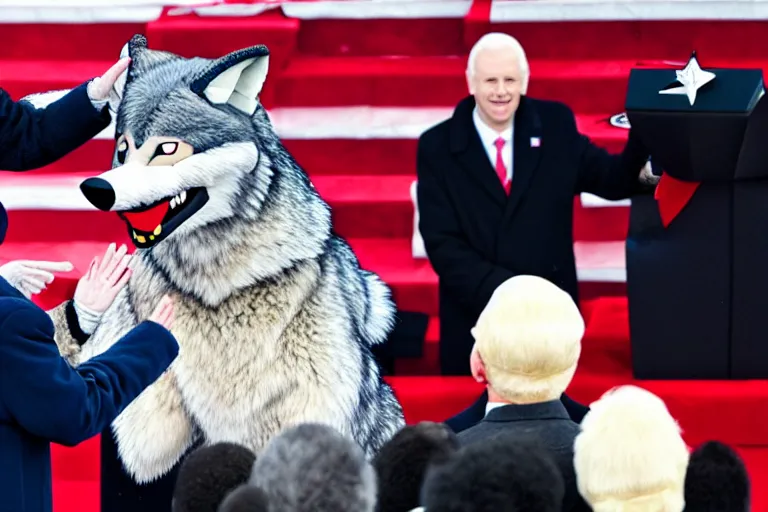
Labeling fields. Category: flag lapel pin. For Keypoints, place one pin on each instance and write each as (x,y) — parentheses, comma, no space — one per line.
(535,142)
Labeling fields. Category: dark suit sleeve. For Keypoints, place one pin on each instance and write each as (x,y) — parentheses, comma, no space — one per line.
(32,137)
(612,177)
(50,399)
(468,276)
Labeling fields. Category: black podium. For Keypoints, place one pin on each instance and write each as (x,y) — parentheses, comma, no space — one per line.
(697,278)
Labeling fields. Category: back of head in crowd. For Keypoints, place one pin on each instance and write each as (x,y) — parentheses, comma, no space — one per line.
(402,463)
(507,473)
(246,498)
(717,480)
(630,455)
(313,468)
(527,341)
(208,474)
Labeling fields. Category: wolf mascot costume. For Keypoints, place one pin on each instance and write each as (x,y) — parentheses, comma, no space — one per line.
(274,316)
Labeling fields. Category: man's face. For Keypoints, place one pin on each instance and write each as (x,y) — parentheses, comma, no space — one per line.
(496,84)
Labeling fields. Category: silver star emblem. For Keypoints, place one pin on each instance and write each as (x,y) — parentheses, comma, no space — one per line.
(691,78)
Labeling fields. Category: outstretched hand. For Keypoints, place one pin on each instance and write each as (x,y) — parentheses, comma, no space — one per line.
(32,277)
(106,276)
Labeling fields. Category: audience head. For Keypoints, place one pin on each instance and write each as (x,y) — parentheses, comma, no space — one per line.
(630,455)
(402,463)
(313,468)
(209,474)
(506,473)
(716,480)
(497,74)
(527,341)
(246,498)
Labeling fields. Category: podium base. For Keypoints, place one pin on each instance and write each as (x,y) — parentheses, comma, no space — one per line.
(679,287)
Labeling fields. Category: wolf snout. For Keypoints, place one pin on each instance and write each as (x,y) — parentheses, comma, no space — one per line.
(99,193)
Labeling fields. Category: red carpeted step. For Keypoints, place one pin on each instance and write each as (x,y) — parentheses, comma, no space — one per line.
(379,81)
(64,42)
(413,282)
(214,36)
(369,206)
(587,86)
(630,39)
(22,77)
(51,208)
(404,36)
(599,224)
(362,207)
(382,146)
(381,207)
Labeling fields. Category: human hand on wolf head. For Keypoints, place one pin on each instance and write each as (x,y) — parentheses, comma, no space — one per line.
(31,277)
(100,88)
(98,288)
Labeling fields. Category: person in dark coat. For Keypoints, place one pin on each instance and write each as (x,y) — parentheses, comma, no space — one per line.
(34,137)
(42,398)
(476,234)
(527,349)
(496,185)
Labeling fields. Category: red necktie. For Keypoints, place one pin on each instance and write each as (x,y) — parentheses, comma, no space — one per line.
(501,169)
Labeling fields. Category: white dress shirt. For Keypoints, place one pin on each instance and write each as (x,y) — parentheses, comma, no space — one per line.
(488,137)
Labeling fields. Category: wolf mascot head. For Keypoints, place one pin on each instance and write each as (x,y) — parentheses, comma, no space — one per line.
(199,176)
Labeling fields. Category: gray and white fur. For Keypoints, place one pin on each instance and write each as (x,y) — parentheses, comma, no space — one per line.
(274,316)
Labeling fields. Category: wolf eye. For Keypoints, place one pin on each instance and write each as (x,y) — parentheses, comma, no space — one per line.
(165,149)
(122,151)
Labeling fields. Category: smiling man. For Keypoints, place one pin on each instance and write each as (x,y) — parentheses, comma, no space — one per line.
(496,184)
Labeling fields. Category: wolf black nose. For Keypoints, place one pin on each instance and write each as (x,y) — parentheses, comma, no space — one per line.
(99,192)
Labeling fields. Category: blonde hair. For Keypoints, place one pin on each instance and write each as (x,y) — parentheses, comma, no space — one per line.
(630,455)
(529,339)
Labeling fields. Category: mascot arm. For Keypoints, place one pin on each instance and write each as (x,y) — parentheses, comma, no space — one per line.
(154,431)
(68,335)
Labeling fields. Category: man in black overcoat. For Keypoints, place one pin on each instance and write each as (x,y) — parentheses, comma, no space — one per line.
(496,185)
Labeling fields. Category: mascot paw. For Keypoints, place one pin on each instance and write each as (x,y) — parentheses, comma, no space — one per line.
(153,433)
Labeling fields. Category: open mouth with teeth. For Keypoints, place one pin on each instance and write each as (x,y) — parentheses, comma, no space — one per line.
(148,225)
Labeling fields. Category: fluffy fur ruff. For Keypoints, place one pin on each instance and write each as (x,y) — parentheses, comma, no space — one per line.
(311,468)
(274,316)
(507,473)
(402,463)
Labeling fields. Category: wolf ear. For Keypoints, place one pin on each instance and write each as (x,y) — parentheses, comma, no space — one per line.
(142,59)
(235,79)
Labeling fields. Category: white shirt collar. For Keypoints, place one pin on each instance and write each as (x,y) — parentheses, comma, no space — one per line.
(488,135)
(493,405)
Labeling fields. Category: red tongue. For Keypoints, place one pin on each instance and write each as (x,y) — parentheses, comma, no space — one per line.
(148,220)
